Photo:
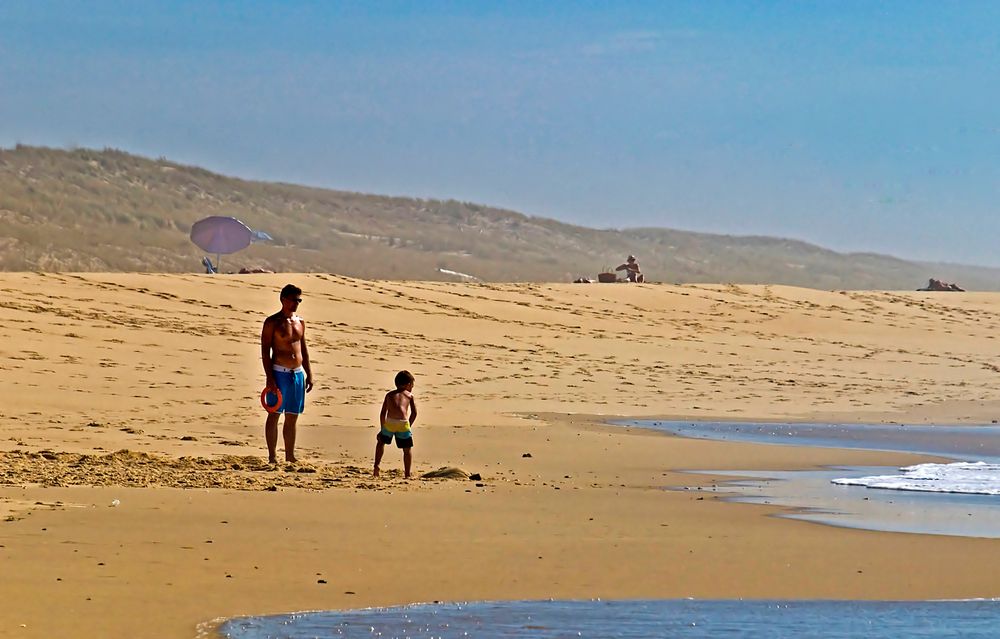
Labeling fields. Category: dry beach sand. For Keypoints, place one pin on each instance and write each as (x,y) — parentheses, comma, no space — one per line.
(134,501)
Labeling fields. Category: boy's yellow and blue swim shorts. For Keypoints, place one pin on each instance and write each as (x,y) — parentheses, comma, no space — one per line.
(398,428)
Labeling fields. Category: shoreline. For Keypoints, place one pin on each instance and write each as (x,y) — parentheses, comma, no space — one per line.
(809,496)
(704,518)
(640,618)
(807,458)
(166,366)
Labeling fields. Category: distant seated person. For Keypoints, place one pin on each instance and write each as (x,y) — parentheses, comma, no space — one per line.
(631,268)
(938,285)
(209,267)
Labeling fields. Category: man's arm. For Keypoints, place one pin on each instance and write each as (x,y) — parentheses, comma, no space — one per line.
(413,410)
(305,360)
(266,339)
(621,267)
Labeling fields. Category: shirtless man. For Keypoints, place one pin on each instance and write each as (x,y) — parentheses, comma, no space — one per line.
(631,268)
(286,368)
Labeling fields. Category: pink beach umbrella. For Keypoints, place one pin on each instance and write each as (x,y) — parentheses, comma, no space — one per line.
(218,234)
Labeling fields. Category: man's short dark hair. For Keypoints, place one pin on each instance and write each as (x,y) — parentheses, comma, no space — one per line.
(403,378)
(290,291)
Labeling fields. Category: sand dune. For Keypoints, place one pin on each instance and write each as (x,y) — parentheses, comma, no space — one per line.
(142,389)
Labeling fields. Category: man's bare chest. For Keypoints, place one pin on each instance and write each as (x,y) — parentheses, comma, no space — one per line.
(288,331)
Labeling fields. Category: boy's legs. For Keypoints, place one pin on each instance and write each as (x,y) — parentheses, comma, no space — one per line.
(379,450)
(289,435)
(407,459)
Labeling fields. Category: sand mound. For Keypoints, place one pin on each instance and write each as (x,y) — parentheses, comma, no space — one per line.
(138,469)
(446,472)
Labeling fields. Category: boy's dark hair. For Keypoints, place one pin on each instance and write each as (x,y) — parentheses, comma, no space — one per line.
(403,378)
(290,291)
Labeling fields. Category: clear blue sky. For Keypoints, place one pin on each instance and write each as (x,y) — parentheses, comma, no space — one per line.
(860,126)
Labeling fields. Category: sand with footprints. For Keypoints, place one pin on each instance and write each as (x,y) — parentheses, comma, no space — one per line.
(134,493)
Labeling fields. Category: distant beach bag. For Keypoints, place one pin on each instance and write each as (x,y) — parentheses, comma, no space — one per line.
(607,278)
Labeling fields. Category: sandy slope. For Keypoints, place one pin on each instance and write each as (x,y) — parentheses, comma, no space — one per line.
(142,389)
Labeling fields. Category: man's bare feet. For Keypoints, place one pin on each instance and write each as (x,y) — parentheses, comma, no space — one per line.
(272,460)
(375,472)
(290,459)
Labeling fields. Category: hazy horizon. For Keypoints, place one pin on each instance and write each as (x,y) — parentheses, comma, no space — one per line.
(854,126)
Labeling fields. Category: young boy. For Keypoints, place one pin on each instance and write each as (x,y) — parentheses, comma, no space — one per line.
(399,411)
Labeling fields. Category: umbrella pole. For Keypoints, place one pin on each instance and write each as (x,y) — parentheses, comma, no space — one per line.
(218,262)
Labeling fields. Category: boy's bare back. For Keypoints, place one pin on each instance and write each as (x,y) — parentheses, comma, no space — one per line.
(397,404)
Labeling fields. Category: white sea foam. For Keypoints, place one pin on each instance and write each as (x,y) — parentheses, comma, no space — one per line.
(973,478)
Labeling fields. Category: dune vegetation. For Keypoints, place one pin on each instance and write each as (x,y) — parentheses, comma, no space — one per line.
(107,210)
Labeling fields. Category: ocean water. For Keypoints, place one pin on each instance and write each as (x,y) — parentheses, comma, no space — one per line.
(967,443)
(961,498)
(976,449)
(687,619)
(816,497)
(968,478)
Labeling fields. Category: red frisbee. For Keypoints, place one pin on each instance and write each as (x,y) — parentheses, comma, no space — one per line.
(271,408)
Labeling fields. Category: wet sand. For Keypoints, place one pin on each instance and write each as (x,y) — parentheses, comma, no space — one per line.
(189,525)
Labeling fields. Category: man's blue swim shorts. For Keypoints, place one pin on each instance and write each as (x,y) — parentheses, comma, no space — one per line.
(292,384)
